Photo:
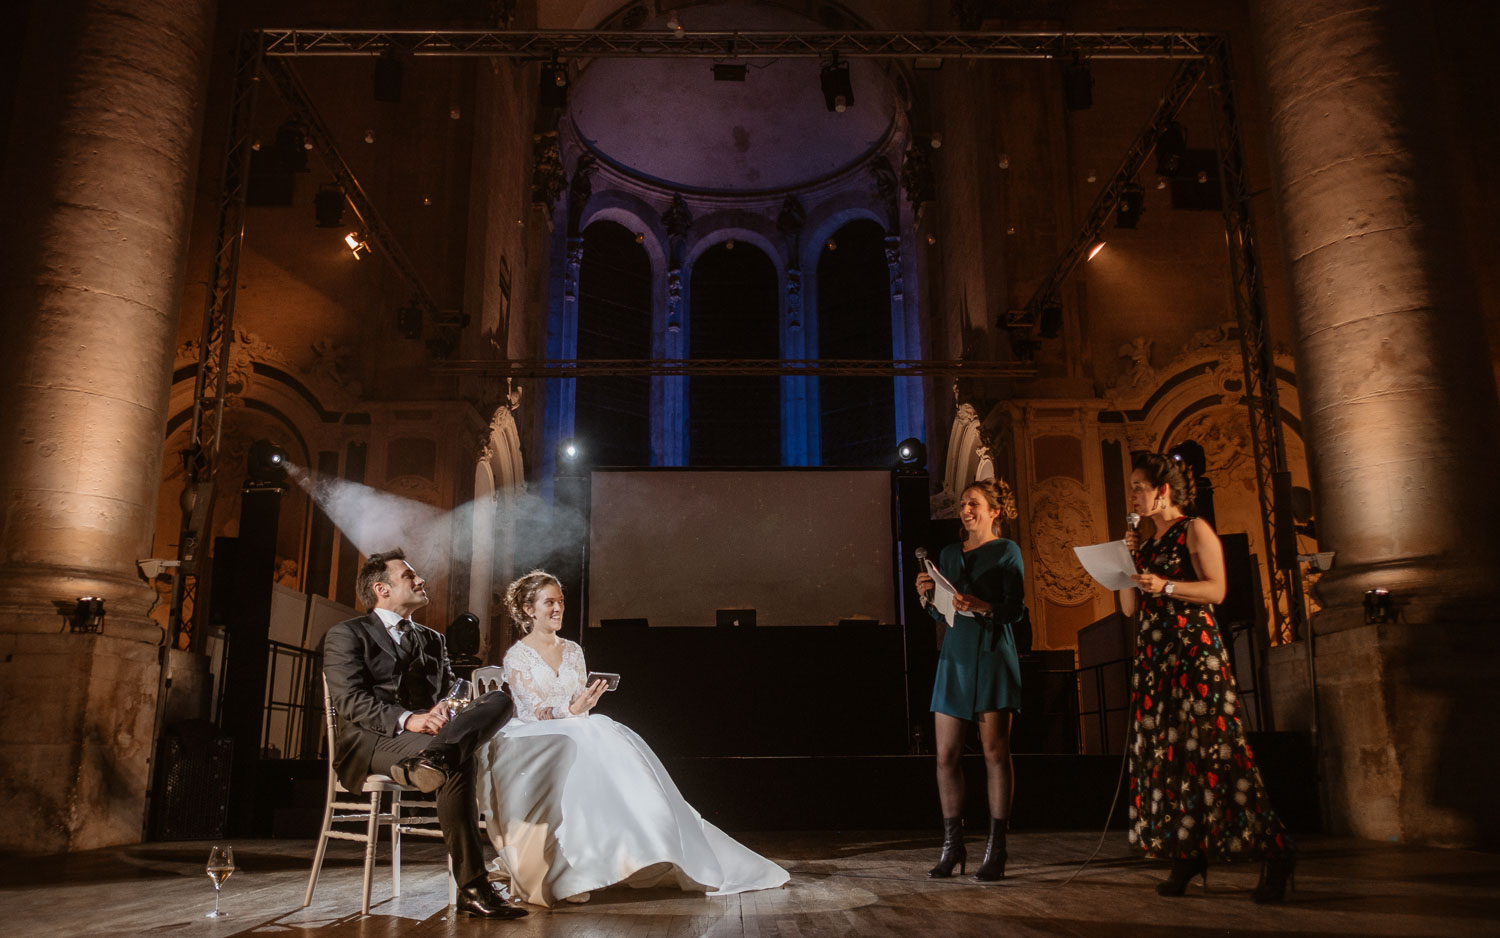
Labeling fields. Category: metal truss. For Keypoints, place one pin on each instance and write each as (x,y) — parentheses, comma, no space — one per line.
(210,384)
(708,367)
(321,137)
(1176,94)
(547,44)
(1288,605)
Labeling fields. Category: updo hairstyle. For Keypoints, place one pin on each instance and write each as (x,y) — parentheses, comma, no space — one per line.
(523,593)
(997,493)
(1175,473)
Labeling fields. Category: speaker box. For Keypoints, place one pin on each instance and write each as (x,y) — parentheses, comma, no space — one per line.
(193,765)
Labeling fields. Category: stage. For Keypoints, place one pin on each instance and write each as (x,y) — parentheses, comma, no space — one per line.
(843,883)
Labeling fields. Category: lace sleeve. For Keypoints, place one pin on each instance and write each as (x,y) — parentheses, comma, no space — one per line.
(537,693)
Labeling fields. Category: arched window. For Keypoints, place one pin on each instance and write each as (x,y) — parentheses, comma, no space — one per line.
(614,321)
(734,420)
(857,415)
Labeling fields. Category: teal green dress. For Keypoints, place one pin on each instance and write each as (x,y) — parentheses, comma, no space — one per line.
(978,669)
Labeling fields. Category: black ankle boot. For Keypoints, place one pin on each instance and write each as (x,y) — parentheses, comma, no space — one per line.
(1274,876)
(953,853)
(993,867)
(1182,873)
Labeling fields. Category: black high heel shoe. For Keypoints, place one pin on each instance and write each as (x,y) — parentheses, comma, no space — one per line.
(953,853)
(1275,877)
(1182,873)
(993,865)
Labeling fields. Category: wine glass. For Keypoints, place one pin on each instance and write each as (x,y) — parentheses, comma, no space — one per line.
(458,696)
(220,865)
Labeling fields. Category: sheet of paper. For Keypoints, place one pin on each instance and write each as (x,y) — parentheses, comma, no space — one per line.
(1109,563)
(942,596)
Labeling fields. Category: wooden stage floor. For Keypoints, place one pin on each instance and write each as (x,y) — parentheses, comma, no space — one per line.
(845,883)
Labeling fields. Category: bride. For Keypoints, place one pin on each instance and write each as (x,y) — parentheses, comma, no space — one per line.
(577,802)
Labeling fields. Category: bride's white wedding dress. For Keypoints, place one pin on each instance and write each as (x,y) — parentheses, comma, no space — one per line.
(580,803)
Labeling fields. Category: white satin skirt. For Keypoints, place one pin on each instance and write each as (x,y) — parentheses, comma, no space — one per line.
(576,805)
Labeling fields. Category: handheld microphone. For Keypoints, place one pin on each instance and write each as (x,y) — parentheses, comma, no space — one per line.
(1132,521)
(921,553)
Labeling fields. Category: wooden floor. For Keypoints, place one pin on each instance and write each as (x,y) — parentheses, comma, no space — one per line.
(846,883)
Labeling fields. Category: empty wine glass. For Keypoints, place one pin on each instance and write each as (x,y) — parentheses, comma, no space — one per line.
(220,865)
(458,696)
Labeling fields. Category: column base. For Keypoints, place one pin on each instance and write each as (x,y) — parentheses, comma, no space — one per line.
(74,771)
(1406,713)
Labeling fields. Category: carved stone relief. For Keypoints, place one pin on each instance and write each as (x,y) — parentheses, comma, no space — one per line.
(1060,520)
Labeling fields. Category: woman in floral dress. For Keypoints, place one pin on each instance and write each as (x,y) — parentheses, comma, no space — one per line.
(1195,793)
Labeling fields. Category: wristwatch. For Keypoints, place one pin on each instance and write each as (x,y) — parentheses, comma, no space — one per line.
(1167,590)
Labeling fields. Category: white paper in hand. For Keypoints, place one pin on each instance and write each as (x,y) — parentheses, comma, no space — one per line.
(942,595)
(1109,563)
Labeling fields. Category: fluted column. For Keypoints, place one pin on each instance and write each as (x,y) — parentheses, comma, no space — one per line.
(98,184)
(1398,407)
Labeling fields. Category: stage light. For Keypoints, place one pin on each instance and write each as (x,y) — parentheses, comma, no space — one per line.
(328,206)
(936,140)
(463,636)
(912,452)
(1378,606)
(569,452)
(358,247)
(389,73)
(552,90)
(831,244)
(369,136)
(266,462)
(86,615)
(454,113)
(1092,176)
(1171,147)
(838,90)
(1004,161)
(723,72)
(1132,204)
(1098,246)
(1077,85)
(674,23)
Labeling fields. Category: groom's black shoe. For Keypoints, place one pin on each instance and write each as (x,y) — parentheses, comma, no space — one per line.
(425,772)
(481,900)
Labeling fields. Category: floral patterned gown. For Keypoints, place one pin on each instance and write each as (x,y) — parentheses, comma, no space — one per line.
(1194,787)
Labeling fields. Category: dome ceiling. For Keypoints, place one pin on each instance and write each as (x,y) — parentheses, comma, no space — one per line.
(668,120)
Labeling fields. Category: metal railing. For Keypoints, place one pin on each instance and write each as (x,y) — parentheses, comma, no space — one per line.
(292,727)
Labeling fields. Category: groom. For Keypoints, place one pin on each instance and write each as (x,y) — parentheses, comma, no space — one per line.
(385,676)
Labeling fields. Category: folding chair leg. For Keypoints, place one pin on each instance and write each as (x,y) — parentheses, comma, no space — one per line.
(372,838)
(395,843)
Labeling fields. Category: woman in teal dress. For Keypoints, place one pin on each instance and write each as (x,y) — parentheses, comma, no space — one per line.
(978,674)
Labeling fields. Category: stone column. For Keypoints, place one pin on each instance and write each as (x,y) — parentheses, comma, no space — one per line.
(1400,414)
(99,183)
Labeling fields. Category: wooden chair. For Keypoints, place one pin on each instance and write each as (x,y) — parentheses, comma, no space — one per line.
(423,823)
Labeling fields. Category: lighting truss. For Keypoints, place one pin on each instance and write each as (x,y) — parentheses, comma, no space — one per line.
(705,367)
(546,44)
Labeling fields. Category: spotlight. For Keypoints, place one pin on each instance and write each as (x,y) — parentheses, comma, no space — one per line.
(409,322)
(569,455)
(729,245)
(831,244)
(1132,203)
(1049,320)
(369,136)
(291,147)
(463,636)
(912,453)
(674,23)
(1378,606)
(936,141)
(1004,161)
(389,73)
(328,205)
(1098,246)
(266,462)
(1171,147)
(1077,85)
(552,91)
(838,91)
(729,72)
(358,247)
(86,616)
(454,112)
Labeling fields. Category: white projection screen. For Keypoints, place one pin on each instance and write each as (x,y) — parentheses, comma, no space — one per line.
(800,547)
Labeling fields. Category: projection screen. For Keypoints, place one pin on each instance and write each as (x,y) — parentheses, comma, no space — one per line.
(800,547)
